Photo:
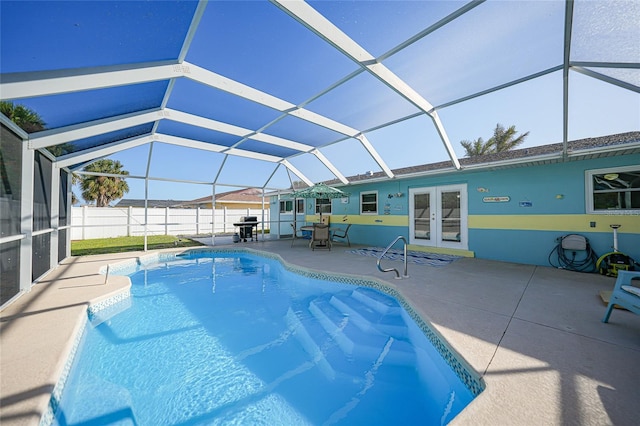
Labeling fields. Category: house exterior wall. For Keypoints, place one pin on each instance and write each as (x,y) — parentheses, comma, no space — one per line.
(545,202)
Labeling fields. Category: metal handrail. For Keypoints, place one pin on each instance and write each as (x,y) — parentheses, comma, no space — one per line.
(398,277)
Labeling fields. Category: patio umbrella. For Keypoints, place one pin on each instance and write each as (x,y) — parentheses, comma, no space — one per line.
(320,190)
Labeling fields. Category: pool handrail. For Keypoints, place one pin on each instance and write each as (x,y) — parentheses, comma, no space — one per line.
(398,277)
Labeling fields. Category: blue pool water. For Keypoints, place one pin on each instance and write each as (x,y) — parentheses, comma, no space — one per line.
(237,339)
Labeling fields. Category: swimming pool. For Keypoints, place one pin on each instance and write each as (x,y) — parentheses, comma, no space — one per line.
(236,338)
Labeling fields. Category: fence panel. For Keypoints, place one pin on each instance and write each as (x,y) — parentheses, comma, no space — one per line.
(106,222)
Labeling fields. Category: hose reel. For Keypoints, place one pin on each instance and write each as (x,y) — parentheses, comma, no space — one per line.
(574,253)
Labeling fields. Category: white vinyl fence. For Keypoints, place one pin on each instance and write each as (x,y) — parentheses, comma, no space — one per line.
(106,222)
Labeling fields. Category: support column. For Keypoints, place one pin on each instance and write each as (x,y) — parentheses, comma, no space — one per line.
(55,216)
(146,215)
(213,215)
(69,213)
(262,218)
(26,218)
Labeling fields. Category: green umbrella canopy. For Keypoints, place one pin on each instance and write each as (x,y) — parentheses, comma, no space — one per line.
(320,190)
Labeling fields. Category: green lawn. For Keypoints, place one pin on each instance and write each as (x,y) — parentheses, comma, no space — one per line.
(120,244)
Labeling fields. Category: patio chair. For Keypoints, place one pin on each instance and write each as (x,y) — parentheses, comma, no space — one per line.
(320,237)
(342,234)
(625,294)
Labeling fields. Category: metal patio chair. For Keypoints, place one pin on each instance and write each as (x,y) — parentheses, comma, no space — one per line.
(297,233)
(342,234)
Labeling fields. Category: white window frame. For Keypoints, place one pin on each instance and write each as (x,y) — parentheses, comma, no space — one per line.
(317,206)
(299,206)
(283,203)
(588,185)
(362,202)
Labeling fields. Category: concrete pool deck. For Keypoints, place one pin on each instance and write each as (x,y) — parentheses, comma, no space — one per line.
(534,334)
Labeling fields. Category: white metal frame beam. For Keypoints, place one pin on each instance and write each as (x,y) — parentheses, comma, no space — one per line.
(324,160)
(101,151)
(217,81)
(568,23)
(93,128)
(324,28)
(25,85)
(606,78)
(193,27)
(219,126)
(296,172)
(367,145)
(42,83)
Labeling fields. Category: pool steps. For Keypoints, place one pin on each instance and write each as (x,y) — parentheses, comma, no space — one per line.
(369,319)
(363,324)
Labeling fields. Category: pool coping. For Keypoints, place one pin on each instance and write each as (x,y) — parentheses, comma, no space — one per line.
(469,377)
(70,350)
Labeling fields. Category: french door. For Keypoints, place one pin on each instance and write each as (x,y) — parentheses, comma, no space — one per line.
(438,216)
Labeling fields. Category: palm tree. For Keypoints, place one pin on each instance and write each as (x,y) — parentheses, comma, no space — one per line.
(30,121)
(25,118)
(477,147)
(502,140)
(506,140)
(103,189)
(75,180)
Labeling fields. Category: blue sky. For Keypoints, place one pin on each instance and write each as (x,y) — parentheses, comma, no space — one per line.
(257,44)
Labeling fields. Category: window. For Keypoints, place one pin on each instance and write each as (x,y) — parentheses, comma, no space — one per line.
(615,190)
(300,206)
(286,206)
(369,202)
(323,205)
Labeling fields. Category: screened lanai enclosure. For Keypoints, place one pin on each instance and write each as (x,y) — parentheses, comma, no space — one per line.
(220,95)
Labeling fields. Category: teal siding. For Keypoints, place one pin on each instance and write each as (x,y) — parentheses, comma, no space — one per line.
(376,236)
(534,247)
(537,185)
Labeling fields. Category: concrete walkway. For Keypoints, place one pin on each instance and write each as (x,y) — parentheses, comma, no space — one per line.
(533,333)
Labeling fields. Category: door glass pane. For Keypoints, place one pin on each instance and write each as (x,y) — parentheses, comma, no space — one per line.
(451,216)
(421,215)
